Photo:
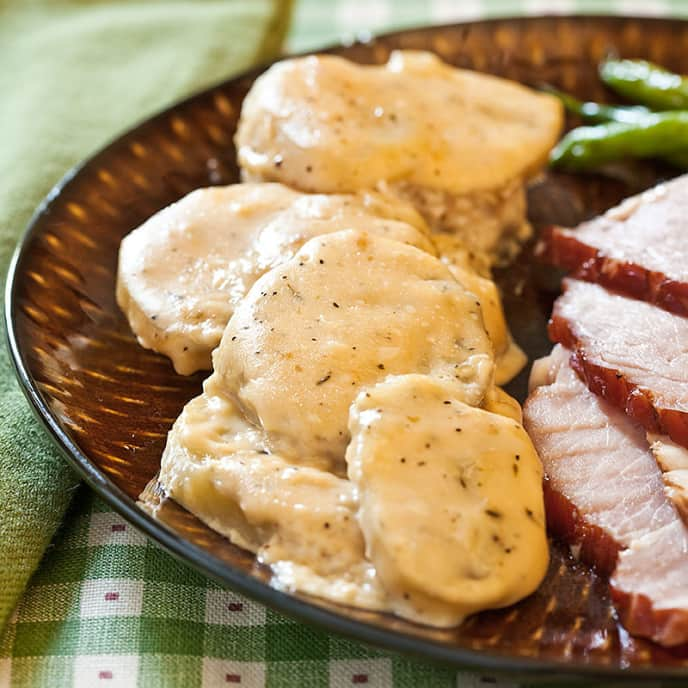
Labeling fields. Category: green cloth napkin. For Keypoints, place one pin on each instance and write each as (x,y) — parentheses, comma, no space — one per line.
(106,607)
(72,75)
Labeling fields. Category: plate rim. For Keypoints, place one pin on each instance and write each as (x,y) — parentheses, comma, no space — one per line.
(191,555)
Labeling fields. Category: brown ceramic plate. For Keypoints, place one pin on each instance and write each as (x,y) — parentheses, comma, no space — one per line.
(108,403)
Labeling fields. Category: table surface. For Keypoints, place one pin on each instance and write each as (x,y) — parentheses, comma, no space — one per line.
(109,608)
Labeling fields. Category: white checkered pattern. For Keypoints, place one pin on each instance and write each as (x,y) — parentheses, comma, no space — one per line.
(108,671)
(109,528)
(110,597)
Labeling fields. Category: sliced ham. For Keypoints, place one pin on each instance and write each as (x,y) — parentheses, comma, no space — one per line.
(672,460)
(629,352)
(638,248)
(605,497)
(650,585)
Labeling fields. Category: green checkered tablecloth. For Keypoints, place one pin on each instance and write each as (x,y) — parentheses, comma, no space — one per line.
(319,22)
(108,608)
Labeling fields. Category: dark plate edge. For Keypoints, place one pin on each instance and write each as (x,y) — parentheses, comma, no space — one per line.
(189,554)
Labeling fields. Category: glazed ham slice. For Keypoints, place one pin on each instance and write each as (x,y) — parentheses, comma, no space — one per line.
(649,586)
(638,248)
(605,497)
(629,352)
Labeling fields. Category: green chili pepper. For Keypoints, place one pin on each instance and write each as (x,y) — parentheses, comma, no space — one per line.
(600,112)
(678,159)
(655,135)
(646,83)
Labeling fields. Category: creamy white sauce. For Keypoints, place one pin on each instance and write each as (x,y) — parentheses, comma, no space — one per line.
(450,500)
(509,357)
(460,145)
(351,433)
(348,310)
(298,519)
(322,123)
(487,227)
(182,273)
(352,348)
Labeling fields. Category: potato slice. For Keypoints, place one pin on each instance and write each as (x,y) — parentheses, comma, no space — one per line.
(182,273)
(347,311)
(451,504)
